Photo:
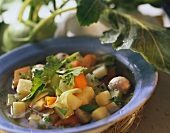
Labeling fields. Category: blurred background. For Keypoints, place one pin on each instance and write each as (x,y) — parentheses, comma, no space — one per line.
(31,12)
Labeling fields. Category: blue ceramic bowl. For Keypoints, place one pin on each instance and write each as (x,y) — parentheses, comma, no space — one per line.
(145,77)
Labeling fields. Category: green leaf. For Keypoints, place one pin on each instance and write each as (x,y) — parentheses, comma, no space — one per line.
(41,78)
(51,66)
(69,74)
(37,86)
(89,11)
(61,110)
(89,107)
(151,41)
(117,100)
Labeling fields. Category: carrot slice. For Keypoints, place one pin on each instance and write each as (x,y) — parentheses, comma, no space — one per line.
(75,63)
(80,81)
(18,72)
(71,121)
(50,100)
(89,60)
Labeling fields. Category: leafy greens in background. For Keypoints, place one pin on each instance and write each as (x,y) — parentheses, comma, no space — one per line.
(91,13)
(126,32)
(148,40)
(132,4)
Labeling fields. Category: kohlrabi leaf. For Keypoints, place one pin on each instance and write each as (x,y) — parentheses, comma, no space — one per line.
(149,40)
(89,11)
(133,4)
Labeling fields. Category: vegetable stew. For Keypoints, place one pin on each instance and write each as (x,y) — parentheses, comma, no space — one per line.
(69,90)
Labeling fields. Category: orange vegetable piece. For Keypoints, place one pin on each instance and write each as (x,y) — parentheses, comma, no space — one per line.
(23,70)
(75,63)
(50,100)
(80,81)
(89,60)
(71,121)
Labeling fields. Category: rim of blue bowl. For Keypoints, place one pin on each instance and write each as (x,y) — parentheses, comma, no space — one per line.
(145,75)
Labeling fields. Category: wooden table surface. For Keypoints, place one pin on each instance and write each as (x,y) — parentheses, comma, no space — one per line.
(156,114)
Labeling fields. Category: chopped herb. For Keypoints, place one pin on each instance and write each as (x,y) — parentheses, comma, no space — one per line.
(68,76)
(43,77)
(46,119)
(117,100)
(51,66)
(45,122)
(71,58)
(68,79)
(26,75)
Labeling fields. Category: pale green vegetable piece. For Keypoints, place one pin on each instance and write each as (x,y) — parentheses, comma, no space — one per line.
(62,86)
(100,71)
(23,88)
(73,101)
(83,116)
(38,97)
(39,105)
(103,98)
(67,95)
(112,107)
(55,80)
(10,99)
(100,113)
(63,112)
(18,109)
(92,80)
(13,35)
